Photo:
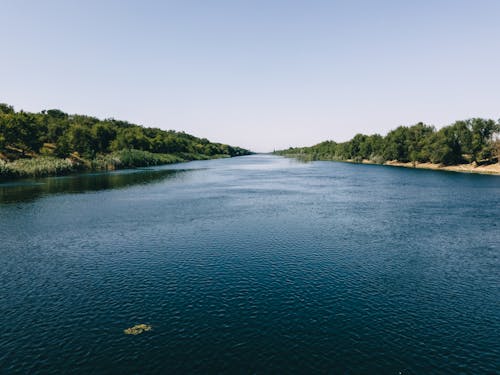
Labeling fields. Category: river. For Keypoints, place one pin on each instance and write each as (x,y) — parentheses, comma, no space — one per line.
(256,264)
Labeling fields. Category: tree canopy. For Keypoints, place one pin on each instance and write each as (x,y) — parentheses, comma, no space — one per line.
(55,132)
(473,140)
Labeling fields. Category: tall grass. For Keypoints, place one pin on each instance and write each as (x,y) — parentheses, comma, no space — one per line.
(37,167)
(50,166)
(132,159)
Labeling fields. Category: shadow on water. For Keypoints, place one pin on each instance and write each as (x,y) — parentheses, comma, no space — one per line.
(31,189)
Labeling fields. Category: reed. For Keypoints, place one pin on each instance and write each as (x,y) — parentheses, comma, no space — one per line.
(44,166)
(37,167)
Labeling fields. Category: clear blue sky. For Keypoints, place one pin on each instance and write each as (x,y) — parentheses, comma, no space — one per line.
(259,74)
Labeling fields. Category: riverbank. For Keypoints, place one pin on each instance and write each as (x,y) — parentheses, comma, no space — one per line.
(491,169)
(48,166)
(463,168)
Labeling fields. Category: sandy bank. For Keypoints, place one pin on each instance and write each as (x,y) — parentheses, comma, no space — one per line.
(465,168)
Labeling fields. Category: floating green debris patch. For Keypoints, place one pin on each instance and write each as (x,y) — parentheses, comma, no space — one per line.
(137,329)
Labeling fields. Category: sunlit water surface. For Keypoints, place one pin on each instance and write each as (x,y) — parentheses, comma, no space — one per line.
(255,264)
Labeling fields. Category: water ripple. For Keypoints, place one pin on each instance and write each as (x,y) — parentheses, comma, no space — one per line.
(252,265)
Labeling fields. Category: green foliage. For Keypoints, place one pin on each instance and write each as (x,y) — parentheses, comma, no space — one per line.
(103,134)
(80,139)
(137,158)
(56,114)
(21,130)
(6,109)
(482,133)
(40,167)
(110,143)
(463,141)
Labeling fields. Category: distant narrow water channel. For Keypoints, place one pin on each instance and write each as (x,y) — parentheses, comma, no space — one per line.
(256,264)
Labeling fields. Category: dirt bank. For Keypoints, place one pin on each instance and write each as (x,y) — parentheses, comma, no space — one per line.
(466,168)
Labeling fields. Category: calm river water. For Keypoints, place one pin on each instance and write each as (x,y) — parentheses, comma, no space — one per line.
(256,264)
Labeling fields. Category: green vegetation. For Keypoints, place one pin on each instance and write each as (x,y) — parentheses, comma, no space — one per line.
(39,167)
(55,143)
(138,329)
(470,141)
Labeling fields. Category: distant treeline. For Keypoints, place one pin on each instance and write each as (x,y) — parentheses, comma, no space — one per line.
(466,141)
(90,136)
(54,142)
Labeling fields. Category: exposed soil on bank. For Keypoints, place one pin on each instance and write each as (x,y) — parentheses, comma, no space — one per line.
(465,168)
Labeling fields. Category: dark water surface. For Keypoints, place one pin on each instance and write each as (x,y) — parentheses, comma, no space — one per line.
(255,264)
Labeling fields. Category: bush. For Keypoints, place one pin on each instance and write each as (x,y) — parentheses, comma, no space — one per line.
(134,158)
(377,159)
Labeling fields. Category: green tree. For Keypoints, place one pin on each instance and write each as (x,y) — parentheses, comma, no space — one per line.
(103,134)
(396,145)
(21,131)
(444,147)
(6,109)
(56,114)
(131,138)
(81,140)
(482,138)
(417,137)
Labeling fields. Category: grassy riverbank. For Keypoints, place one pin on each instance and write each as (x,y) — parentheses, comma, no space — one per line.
(54,143)
(43,166)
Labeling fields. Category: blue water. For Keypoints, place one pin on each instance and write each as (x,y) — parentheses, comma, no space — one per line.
(256,264)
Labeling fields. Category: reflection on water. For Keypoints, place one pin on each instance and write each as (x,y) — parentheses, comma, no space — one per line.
(30,190)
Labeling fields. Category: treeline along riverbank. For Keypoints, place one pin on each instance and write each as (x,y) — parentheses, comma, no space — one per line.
(53,143)
(469,146)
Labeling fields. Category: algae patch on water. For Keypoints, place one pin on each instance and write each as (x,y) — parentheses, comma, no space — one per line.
(137,329)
